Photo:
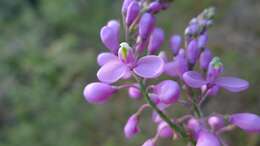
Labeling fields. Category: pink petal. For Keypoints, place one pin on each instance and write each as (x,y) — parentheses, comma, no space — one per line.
(149,66)
(194,79)
(232,84)
(112,71)
(105,57)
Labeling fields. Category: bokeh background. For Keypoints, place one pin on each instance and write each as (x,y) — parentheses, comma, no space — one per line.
(47,55)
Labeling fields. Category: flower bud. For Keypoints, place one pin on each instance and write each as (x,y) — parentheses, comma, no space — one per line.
(140,44)
(164,130)
(156,118)
(154,7)
(132,12)
(175,44)
(215,69)
(168,91)
(132,127)
(156,40)
(109,35)
(193,52)
(125,6)
(182,63)
(194,126)
(192,29)
(146,25)
(98,93)
(126,54)
(216,122)
(134,92)
(205,58)
(202,40)
(207,139)
(149,142)
(246,121)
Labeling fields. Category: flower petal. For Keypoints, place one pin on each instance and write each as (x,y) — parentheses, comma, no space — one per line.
(194,79)
(246,121)
(112,71)
(149,66)
(105,57)
(232,84)
(207,139)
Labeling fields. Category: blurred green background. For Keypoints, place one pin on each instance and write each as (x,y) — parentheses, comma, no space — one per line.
(47,55)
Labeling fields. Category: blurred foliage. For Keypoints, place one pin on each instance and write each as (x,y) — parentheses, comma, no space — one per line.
(48,50)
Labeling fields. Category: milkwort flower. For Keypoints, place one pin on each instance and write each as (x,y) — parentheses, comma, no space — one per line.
(138,58)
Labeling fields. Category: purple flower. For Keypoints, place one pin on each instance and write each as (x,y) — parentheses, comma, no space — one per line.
(134,92)
(154,7)
(202,40)
(125,6)
(168,91)
(193,52)
(194,126)
(146,25)
(175,44)
(149,142)
(164,130)
(216,122)
(98,93)
(109,35)
(156,40)
(205,58)
(208,139)
(232,84)
(122,66)
(132,126)
(177,67)
(132,12)
(246,121)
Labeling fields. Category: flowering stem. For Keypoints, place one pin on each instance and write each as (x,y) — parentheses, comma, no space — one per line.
(175,127)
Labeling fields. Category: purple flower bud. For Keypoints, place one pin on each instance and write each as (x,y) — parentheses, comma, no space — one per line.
(156,40)
(132,12)
(193,52)
(205,58)
(164,130)
(202,41)
(154,7)
(192,29)
(175,44)
(126,54)
(156,118)
(140,44)
(146,25)
(132,127)
(98,93)
(215,69)
(125,6)
(134,92)
(246,121)
(216,122)
(208,139)
(149,142)
(109,35)
(194,126)
(168,91)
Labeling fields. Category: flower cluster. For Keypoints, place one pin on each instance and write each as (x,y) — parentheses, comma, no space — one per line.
(138,58)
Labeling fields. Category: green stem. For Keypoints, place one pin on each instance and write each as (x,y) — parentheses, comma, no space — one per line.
(175,127)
